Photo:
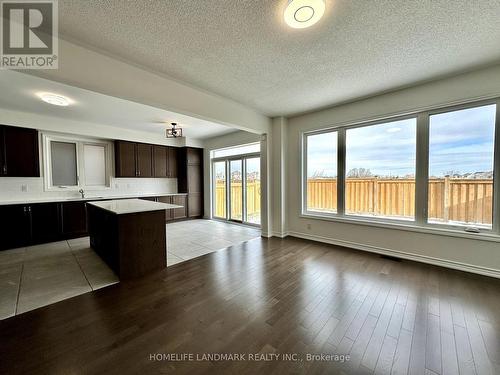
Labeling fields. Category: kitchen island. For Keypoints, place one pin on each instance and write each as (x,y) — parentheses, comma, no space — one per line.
(129,235)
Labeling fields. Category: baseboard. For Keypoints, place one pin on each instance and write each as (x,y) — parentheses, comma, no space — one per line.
(279,234)
(401,254)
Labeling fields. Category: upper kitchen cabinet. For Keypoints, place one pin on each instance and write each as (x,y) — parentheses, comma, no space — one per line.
(19,152)
(144,160)
(160,161)
(172,162)
(133,159)
(125,159)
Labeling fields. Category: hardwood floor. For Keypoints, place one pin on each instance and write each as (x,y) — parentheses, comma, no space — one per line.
(274,296)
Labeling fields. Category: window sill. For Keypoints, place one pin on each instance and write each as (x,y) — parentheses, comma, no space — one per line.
(400,225)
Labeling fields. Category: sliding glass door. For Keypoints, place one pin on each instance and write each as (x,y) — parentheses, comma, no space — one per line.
(252,190)
(220,189)
(236,189)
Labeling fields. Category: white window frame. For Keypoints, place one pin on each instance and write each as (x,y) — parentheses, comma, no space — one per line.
(420,222)
(80,142)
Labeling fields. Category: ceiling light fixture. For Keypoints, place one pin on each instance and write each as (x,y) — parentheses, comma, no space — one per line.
(300,14)
(174,132)
(55,99)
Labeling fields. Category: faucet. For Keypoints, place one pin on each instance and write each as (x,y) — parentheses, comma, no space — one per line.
(82,193)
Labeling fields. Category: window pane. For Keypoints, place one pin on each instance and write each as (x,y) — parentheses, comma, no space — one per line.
(63,158)
(95,165)
(220,189)
(322,172)
(461,166)
(380,170)
(253,190)
(239,150)
(235,170)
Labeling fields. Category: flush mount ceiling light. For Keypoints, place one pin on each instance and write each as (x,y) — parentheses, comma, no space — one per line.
(300,14)
(174,132)
(55,99)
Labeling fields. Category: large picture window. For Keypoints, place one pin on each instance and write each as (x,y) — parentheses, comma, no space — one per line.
(461,149)
(322,172)
(434,169)
(380,170)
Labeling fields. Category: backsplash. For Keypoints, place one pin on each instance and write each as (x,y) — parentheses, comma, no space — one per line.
(12,188)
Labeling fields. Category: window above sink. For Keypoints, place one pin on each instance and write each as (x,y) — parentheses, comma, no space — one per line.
(73,163)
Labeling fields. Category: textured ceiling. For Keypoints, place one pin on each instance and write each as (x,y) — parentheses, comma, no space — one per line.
(97,108)
(243,49)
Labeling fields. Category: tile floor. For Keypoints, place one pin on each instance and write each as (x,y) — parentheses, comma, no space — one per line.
(193,238)
(40,275)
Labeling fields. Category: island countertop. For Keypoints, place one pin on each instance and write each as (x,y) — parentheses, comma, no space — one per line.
(130,206)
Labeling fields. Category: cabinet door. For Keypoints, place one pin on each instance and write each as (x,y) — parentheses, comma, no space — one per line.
(194,205)
(180,213)
(172,162)
(194,177)
(45,222)
(20,152)
(144,160)
(74,219)
(194,155)
(169,215)
(160,154)
(14,227)
(125,165)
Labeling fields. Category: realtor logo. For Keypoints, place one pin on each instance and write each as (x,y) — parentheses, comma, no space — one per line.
(29,34)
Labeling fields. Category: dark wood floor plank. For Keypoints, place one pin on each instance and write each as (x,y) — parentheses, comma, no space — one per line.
(269,296)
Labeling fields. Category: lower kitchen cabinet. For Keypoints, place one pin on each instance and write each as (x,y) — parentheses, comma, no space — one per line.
(14,227)
(195,202)
(45,222)
(180,213)
(30,224)
(73,219)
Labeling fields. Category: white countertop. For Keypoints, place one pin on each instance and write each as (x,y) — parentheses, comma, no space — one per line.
(89,198)
(130,206)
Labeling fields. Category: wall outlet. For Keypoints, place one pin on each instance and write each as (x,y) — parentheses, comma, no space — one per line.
(308,226)
(24,188)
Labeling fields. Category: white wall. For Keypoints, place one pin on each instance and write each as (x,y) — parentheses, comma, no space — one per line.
(474,255)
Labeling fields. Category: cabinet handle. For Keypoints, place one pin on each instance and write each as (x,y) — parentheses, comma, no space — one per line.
(5,169)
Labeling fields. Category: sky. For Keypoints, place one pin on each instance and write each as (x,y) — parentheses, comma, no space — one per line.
(460,141)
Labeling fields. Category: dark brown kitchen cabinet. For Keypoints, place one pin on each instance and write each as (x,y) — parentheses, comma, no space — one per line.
(45,222)
(133,159)
(179,213)
(14,227)
(169,214)
(144,160)
(195,202)
(19,152)
(73,219)
(172,162)
(125,165)
(190,178)
(160,161)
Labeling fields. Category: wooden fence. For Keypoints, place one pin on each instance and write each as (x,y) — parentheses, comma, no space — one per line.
(252,196)
(461,200)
